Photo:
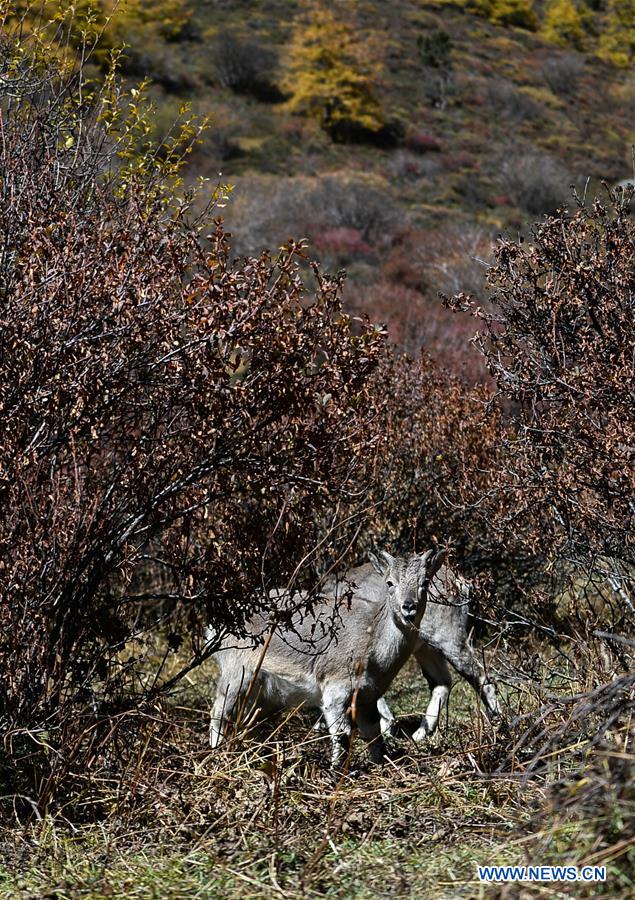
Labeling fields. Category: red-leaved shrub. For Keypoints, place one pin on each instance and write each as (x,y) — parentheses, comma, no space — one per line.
(419,142)
(343,243)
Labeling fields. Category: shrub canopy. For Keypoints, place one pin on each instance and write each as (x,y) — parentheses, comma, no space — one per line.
(175,425)
(559,344)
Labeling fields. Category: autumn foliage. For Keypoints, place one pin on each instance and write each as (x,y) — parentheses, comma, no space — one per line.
(331,75)
(559,345)
(177,430)
(183,431)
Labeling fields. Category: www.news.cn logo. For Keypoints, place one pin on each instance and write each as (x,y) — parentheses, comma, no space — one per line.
(541,873)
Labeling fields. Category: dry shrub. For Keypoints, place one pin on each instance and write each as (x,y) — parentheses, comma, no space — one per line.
(401,308)
(266,210)
(415,319)
(537,182)
(178,430)
(559,346)
(456,258)
(562,73)
(419,267)
(419,142)
(160,62)
(580,748)
(447,260)
(220,141)
(246,67)
(457,162)
(436,478)
(402,263)
(341,245)
(357,200)
(509,102)
(622,96)
(438,450)
(412,166)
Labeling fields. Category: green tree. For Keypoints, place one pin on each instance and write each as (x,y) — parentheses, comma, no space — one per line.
(330,75)
(435,53)
(617,41)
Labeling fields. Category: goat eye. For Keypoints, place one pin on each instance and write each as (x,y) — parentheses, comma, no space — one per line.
(390,584)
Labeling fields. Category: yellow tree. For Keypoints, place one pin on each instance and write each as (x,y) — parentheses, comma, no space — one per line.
(563,24)
(519,13)
(617,41)
(106,23)
(330,75)
(168,18)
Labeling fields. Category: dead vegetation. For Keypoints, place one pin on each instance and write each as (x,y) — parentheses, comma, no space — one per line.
(268,819)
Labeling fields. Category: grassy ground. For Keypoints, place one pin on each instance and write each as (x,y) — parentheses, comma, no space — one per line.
(261,820)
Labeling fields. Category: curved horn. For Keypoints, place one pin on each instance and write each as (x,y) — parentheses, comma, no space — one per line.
(433,559)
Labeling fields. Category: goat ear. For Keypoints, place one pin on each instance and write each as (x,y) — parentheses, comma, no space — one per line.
(376,564)
(382,563)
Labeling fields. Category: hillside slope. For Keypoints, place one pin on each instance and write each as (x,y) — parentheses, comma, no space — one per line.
(486,142)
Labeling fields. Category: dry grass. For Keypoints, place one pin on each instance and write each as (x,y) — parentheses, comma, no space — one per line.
(263,819)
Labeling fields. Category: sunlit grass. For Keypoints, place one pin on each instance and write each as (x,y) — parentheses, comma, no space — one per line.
(270,819)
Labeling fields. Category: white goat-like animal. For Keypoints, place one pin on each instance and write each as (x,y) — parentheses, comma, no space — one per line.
(442,639)
(343,673)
